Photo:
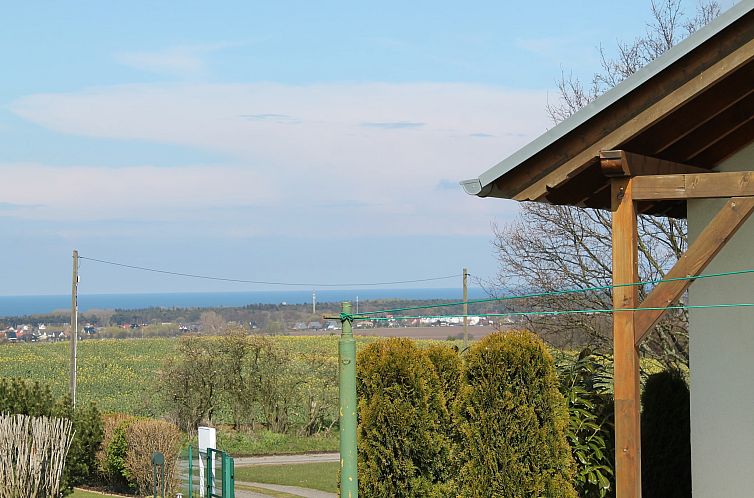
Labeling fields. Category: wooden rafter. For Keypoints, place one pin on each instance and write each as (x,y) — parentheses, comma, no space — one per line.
(694,186)
(699,254)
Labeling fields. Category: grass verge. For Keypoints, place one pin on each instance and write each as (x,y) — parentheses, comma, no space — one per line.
(272,443)
(80,493)
(322,476)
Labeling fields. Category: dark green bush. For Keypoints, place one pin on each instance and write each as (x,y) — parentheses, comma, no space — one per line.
(28,398)
(666,436)
(514,420)
(35,399)
(586,384)
(111,459)
(403,448)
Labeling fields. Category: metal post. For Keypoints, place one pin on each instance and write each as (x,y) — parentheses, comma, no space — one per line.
(190,471)
(465,308)
(349,486)
(74,326)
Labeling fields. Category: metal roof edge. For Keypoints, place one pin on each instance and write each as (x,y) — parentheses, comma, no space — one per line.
(611,96)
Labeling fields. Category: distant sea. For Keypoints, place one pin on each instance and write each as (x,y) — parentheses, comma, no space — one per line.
(32,305)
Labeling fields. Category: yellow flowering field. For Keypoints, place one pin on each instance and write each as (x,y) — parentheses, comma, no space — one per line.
(120,374)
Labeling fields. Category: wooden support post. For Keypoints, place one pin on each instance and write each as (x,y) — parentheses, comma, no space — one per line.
(626,355)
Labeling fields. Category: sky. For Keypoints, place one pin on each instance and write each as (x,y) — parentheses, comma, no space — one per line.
(308,142)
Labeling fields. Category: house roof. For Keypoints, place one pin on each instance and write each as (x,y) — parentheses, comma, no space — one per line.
(692,105)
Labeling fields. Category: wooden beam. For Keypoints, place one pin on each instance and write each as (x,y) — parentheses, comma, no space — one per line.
(693,186)
(712,239)
(625,353)
(623,163)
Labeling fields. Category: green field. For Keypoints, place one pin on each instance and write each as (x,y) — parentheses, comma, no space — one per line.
(322,476)
(120,375)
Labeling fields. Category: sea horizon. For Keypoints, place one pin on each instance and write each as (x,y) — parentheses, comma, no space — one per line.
(42,304)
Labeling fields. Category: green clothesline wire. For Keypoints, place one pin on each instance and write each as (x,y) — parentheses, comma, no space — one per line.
(345,316)
(554,293)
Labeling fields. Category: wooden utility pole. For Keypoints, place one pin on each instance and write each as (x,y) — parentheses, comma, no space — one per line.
(74,324)
(465,308)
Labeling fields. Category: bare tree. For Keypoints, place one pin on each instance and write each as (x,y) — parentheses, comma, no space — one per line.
(551,248)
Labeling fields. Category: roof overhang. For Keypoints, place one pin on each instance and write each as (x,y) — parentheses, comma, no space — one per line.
(692,106)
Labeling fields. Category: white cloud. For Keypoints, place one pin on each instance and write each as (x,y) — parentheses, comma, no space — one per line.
(385,147)
(144,192)
(182,60)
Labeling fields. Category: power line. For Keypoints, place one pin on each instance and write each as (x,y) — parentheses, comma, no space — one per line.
(266,282)
(560,292)
(556,312)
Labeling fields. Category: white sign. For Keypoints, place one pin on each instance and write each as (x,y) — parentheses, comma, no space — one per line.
(207,439)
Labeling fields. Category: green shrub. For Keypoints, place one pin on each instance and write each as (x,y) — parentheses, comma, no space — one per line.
(143,438)
(112,455)
(513,420)
(28,398)
(449,368)
(586,384)
(81,462)
(34,399)
(666,436)
(402,445)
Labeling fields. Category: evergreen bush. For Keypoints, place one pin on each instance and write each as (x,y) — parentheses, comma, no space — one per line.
(586,383)
(24,397)
(111,459)
(513,420)
(666,436)
(403,448)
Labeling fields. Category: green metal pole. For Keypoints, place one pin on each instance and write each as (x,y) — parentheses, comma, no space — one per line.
(349,485)
(190,472)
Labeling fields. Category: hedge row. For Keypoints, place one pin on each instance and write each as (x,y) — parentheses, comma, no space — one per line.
(432,426)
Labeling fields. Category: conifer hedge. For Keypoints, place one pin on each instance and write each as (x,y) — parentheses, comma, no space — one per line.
(403,447)
(513,420)
(666,436)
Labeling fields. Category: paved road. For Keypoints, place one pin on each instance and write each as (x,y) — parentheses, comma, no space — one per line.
(287,459)
(292,490)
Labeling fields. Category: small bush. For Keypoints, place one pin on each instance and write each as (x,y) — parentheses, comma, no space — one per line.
(81,463)
(145,437)
(666,436)
(112,456)
(513,420)
(403,449)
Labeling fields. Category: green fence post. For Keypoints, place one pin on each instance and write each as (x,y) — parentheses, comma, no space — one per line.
(208,473)
(349,485)
(229,490)
(190,472)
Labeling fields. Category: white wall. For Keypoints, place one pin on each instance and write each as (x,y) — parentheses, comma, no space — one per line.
(722,360)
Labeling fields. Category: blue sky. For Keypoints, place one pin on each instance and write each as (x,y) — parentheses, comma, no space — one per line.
(289,141)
